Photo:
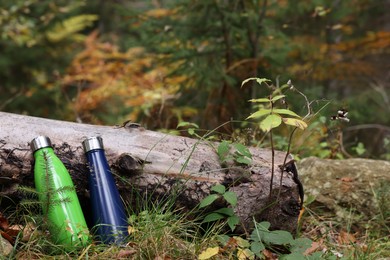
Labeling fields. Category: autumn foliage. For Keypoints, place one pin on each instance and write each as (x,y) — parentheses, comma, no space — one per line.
(108,81)
(163,63)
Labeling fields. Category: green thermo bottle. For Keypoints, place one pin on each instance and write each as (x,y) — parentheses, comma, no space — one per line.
(58,196)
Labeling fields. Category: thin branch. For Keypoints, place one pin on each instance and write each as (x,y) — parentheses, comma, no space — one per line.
(11,99)
(341,144)
(368,126)
(272,164)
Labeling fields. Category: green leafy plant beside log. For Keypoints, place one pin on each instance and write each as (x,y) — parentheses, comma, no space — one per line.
(271,116)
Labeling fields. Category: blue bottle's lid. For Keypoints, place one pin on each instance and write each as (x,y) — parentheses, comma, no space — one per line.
(40,142)
(93,143)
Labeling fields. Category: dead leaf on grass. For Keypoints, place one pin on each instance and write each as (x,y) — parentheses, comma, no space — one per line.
(347,179)
(3,222)
(315,246)
(269,255)
(125,253)
(346,238)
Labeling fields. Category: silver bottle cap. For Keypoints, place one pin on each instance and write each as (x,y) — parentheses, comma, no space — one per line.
(40,142)
(92,143)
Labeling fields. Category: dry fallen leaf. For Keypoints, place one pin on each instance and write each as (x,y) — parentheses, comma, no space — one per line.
(269,255)
(28,230)
(125,253)
(7,237)
(208,253)
(346,238)
(3,222)
(346,179)
(315,246)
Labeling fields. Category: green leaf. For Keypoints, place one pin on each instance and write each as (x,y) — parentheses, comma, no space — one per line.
(271,121)
(360,149)
(223,150)
(275,98)
(230,197)
(233,222)
(262,80)
(243,160)
(300,245)
(256,235)
(257,247)
(247,80)
(208,200)
(293,256)
(184,124)
(284,86)
(226,211)
(277,237)
(219,188)
(242,149)
(260,113)
(258,80)
(223,239)
(262,226)
(295,122)
(285,112)
(260,100)
(191,131)
(213,217)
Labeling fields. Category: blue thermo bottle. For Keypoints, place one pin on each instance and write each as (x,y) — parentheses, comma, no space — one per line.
(108,211)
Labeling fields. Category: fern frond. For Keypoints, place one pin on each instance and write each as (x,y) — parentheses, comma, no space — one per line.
(27,191)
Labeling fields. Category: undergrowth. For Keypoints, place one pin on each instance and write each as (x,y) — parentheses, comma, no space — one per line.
(158,230)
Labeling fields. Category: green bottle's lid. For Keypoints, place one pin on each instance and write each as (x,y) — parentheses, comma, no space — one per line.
(40,142)
(93,143)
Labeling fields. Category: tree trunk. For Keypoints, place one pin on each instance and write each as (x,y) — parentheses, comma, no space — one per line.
(147,163)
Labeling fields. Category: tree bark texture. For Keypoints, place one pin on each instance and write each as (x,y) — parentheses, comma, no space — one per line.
(147,163)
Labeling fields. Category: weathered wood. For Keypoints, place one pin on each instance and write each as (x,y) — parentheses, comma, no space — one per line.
(149,162)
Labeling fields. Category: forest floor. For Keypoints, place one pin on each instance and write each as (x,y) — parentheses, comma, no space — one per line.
(158,233)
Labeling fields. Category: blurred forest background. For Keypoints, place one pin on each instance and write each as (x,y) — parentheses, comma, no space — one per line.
(160,63)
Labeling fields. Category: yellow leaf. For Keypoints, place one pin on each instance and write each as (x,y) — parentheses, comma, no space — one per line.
(159,12)
(295,122)
(209,252)
(131,230)
(70,27)
(242,242)
(243,254)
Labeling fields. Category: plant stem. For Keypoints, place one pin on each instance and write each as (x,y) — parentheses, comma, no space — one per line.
(287,152)
(285,158)
(272,163)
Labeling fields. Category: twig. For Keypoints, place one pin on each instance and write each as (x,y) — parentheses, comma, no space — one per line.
(272,164)
(368,126)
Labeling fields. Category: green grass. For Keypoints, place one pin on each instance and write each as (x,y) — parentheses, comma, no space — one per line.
(156,230)
(159,231)
(345,239)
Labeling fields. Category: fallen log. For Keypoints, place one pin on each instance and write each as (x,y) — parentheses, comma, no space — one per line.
(354,191)
(152,163)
